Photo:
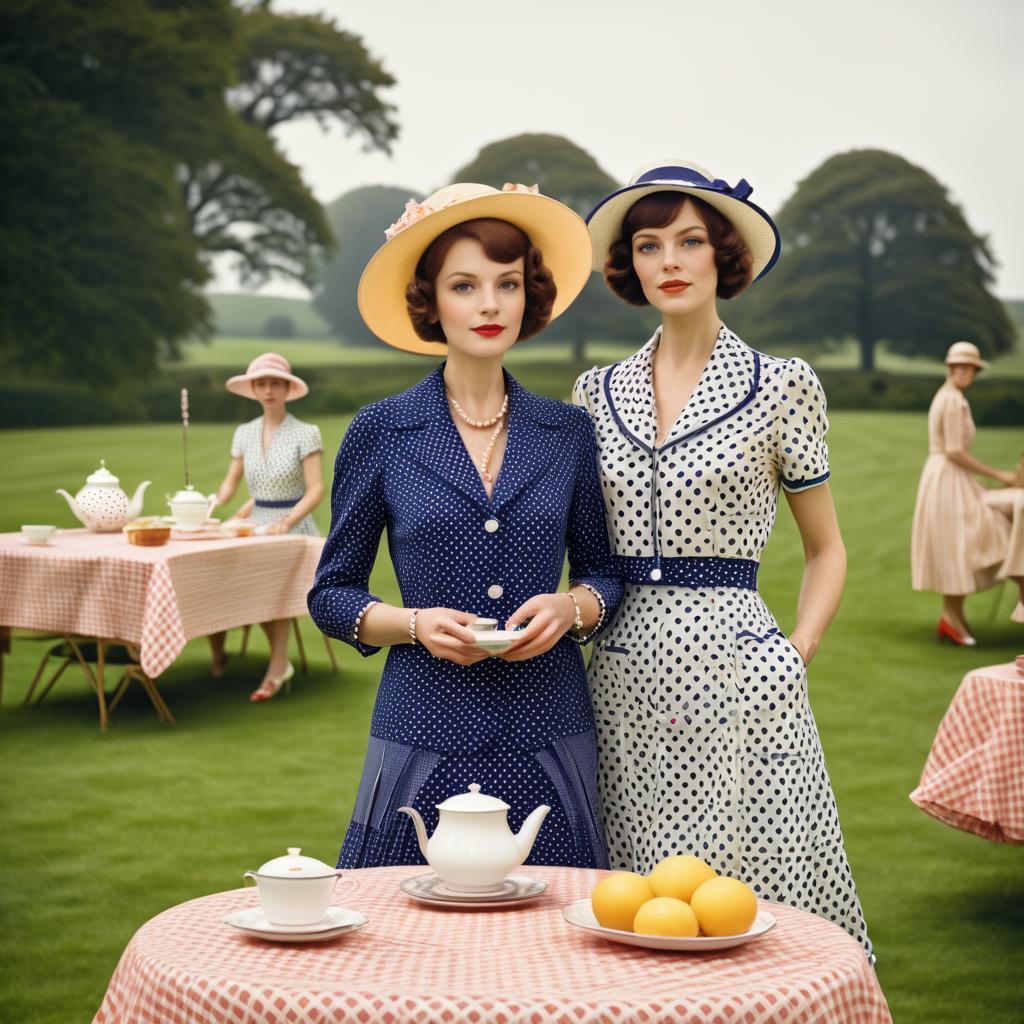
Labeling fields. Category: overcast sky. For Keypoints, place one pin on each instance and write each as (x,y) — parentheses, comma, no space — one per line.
(749,88)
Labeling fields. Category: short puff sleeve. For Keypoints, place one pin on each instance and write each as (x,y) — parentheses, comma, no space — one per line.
(801,427)
(309,440)
(238,441)
(955,421)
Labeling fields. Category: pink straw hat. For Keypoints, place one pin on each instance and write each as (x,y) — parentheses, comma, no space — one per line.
(270,364)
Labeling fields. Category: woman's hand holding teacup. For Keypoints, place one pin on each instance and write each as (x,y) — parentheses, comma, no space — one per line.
(280,526)
(551,617)
(446,634)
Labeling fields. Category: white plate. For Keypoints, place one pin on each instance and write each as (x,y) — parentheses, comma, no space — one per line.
(336,922)
(497,640)
(193,529)
(581,914)
(430,889)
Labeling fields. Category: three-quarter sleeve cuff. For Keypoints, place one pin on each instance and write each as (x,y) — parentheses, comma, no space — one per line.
(338,611)
(793,486)
(604,602)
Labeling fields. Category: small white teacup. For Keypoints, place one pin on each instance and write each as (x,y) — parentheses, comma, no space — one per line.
(484,625)
(34,533)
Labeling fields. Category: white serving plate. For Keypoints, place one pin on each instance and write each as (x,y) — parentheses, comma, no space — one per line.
(581,915)
(337,921)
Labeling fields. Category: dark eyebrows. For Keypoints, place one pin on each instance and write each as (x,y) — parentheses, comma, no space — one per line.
(682,231)
(472,277)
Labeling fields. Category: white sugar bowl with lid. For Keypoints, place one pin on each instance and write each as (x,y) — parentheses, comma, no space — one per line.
(296,889)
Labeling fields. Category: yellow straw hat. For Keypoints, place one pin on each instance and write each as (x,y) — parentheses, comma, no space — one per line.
(558,232)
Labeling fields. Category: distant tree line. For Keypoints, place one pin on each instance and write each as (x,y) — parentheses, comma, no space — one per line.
(136,141)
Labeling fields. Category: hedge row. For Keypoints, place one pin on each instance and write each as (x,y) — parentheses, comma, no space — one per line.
(336,390)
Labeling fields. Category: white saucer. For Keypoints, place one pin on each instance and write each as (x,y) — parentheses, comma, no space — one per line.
(181,527)
(336,922)
(496,641)
(581,914)
(430,889)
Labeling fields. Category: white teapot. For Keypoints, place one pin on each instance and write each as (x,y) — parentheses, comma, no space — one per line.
(472,848)
(101,505)
(190,508)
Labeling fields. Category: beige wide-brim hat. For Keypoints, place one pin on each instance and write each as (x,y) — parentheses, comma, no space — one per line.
(270,364)
(557,231)
(755,227)
(965,352)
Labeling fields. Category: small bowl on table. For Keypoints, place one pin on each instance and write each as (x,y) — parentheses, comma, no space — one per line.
(238,528)
(38,533)
(147,533)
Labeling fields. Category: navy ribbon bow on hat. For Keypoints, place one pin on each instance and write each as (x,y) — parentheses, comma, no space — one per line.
(741,190)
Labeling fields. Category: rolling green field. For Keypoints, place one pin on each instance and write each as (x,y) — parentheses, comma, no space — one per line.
(100,833)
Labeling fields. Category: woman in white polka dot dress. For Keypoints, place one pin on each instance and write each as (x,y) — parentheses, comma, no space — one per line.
(707,743)
(280,458)
(482,488)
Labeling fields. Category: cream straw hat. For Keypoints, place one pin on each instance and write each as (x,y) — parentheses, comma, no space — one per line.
(558,232)
(965,352)
(755,227)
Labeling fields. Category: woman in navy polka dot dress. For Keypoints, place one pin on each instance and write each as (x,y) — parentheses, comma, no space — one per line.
(482,487)
(707,743)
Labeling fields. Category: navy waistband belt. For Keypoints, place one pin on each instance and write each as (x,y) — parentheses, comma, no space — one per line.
(688,572)
(289,503)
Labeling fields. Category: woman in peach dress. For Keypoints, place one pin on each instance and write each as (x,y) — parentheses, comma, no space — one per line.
(960,543)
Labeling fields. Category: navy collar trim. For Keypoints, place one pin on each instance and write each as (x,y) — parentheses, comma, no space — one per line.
(643,446)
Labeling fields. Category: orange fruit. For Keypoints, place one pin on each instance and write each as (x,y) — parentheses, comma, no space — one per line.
(665,915)
(618,897)
(724,906)
(679,876)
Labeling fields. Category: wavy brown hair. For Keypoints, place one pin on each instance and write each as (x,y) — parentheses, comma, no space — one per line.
(657,210)
(503,243)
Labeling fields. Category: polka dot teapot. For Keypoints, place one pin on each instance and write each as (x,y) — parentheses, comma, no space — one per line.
(101,505)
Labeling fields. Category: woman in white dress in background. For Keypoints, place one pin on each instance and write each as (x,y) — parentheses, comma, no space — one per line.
(280,457)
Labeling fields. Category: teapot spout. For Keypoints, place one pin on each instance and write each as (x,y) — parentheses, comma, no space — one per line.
(528,833)
(421,829)
(135,505)
(73,505)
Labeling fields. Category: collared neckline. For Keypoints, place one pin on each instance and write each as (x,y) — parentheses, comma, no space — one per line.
(727,383)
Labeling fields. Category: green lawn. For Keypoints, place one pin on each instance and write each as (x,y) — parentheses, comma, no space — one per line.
(102,832)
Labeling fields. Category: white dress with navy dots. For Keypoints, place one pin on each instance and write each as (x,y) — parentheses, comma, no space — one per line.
(274,477)
(707,744)
(524,731)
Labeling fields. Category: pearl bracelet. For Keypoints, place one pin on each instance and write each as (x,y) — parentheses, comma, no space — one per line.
(577,626)
(412,625)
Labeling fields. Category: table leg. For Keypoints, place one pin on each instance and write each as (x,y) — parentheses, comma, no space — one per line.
(5,648)
(302,647)
(101,694)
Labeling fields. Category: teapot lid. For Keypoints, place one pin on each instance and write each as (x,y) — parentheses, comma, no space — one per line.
(102,477)
(190,494)
(474,800)
(294,866)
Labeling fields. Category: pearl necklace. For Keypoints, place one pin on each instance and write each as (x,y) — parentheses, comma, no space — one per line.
(483,425)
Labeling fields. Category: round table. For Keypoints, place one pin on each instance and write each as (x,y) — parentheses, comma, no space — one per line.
(974,776)
(416,963)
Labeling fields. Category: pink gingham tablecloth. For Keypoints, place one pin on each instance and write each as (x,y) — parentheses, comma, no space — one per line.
(974,776)
(97,584)
(415,963)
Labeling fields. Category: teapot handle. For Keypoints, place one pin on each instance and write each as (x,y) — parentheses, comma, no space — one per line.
(349,880)
(247,876)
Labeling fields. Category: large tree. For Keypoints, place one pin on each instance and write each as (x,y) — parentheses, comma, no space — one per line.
(568,173)
(242,196)
(136,140)
(358,219)
(875,250)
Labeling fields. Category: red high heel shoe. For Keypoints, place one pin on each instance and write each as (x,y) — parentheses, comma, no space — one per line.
(946,631)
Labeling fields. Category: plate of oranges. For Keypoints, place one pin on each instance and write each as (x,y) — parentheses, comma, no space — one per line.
(682,905)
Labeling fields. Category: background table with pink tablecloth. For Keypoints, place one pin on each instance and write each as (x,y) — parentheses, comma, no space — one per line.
(974,776)
(415,963)
(158,598)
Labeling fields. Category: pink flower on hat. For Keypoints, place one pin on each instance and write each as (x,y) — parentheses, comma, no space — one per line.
(413,212)
(529,190)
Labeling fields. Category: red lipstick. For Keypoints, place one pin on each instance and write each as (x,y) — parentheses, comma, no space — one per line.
(675,287)
(489,330)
